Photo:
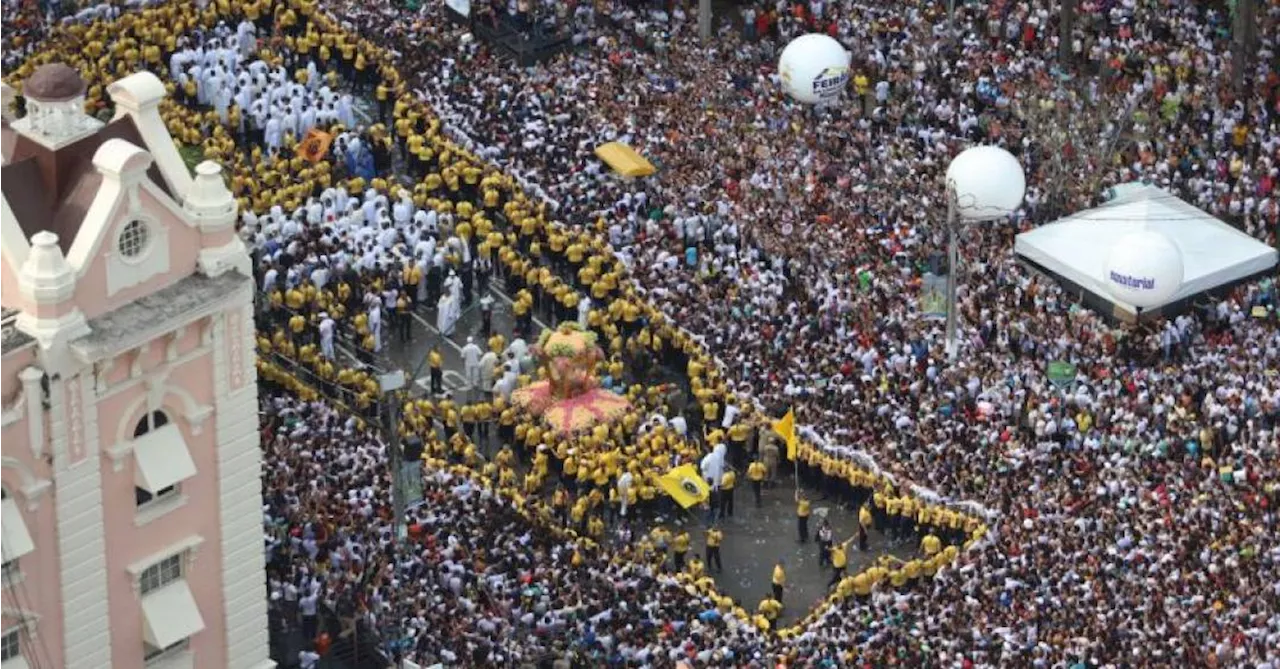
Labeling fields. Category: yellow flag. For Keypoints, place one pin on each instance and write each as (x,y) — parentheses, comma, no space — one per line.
(785,427)
(685,485)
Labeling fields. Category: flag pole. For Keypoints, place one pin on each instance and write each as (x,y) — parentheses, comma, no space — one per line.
(795,463)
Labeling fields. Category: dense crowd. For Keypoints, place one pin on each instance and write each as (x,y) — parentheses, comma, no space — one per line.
(809,231)
(1137,507)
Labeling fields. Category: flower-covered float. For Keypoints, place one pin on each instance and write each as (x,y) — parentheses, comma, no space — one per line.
(570,399)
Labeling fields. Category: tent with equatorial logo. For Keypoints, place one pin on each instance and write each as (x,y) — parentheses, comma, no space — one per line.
(1074,250)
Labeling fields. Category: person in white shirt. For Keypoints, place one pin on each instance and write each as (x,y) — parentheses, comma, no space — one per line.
(308,606)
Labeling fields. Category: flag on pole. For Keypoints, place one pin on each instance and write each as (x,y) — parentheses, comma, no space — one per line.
(685,485)
(785,427)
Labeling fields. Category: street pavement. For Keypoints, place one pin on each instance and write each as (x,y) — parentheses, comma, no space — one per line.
(755,539)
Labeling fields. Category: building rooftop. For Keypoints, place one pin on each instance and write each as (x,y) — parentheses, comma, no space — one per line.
(52,190)
(136,322)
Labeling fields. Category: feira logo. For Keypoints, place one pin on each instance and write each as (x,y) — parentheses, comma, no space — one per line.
(830,82)
(1133,281)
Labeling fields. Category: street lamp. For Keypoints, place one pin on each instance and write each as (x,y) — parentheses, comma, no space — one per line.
(984,183)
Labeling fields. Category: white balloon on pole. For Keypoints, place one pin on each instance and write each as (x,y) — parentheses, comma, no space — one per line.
(1144,269)
(814,69)
(988,182)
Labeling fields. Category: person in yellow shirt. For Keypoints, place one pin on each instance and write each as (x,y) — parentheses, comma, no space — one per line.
(712,553)
(862,585)
(661,538)
(930,545)
(755,473)
(437,370)
(911,569)
(839,561)
(893,509)
(679,549)
(382,93)
(802,517)
(770,607)
(779,580)
(727,482)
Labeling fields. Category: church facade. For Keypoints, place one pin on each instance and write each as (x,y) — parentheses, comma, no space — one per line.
(132,526)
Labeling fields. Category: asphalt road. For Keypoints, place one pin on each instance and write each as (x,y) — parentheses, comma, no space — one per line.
(755,539)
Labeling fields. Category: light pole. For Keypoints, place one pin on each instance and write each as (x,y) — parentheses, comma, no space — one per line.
(984,183)
(389,384)
(953,258)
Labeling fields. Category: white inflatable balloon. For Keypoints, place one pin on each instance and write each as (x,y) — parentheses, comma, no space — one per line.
(988,181)
(1144,269)
(814,69)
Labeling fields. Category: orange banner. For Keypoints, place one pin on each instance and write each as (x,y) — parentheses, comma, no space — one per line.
(315,145)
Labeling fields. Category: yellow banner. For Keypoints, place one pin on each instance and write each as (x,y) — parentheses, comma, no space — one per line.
(624,160)
(785,427)
(685,485)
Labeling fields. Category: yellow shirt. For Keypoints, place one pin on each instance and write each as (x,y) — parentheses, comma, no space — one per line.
(862,585)
(770,608)
(930,545)
(779,576)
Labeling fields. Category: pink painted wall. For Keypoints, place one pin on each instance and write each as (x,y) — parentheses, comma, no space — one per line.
(127,543)
(39,589)
(9,292)
(13,363)
(184,250)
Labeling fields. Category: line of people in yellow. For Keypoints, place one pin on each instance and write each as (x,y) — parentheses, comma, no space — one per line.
(552,266)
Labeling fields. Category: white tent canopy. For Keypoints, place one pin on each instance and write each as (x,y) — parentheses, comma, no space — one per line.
(1076,248)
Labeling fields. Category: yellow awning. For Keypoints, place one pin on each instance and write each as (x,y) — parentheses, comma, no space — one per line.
(624,160)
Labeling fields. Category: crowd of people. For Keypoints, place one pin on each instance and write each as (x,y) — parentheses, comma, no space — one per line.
(809,232)
(776,257)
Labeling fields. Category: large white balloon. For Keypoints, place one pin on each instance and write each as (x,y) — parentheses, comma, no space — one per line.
(988,181)
(1144,269)
(814,69)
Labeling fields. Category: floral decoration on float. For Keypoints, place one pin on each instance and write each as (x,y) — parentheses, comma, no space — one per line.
(569,399)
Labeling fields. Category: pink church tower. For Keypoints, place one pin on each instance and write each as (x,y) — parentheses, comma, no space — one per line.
(132,526)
